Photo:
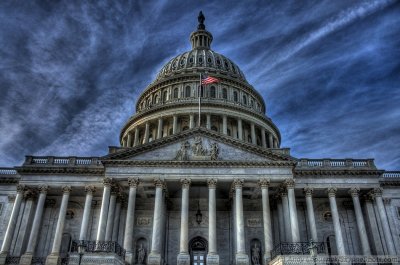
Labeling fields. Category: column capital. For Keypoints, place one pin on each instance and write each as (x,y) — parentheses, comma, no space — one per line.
(20,188)
(185,183)
(308,191)
(66,189)
(159,183)
(43,188)
(238,183)
(212,183)
(376,192)
(107,182)
(264,183)
(115,189)
(90,189)
(29,194)
(387,201)
(354,192)
(11,198)
(289,183)
(133,182)
(282,192)
(331,191)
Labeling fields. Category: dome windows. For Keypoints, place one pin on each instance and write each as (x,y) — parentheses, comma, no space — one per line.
(224,93)
(235,96)
(244,100)
(187,91)
(212,92)
(165,95)
(176,92)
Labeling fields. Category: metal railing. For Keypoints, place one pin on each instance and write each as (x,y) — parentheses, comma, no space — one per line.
(98,246)
(12,260)
(300,248)
(38,261)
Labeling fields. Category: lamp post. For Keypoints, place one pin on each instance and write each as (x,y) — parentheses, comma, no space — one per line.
(199,215)
(313,251)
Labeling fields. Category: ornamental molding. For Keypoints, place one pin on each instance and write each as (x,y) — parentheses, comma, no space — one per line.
(43,188)
(185,183)
(90,189)
(264,183)
(107,182)
(133,182)
(331,191)
(289,183)
(308,191)
(354,192)
(66,189)
(159,183)
(55,170)
(212,183)
(238,183)
(336,172)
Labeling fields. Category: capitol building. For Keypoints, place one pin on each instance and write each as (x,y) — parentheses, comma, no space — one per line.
(200,177)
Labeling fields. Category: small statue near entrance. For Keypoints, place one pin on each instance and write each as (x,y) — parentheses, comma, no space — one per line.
(141,254)
(255,254)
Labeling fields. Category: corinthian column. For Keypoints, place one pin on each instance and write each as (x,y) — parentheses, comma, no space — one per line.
(212,256)
(336,221)
(264,184)
(241,256)
(5,248)
(101,231)
(130,219)
(183,256)
(54,257)
(310,213)
(355,192)
(154,257)
(294,224)
(26,259)
(377,195)
(111,212)
(86,211)
(286,215)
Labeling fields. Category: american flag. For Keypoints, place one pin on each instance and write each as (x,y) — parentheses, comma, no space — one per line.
(205,80)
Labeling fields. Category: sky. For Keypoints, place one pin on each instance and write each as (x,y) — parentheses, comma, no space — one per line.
(329,71)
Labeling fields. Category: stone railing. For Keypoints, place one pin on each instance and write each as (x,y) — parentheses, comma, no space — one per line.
(335,163)
(62,161)
(391,174)
(300,248)
(7,171)
(98,246)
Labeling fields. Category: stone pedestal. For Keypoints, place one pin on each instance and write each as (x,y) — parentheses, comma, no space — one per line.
(96,259)
(154,259)
(183,259)
(3,257)
(53,259)
(242,259)
(26,259)
(213,259)
(129,258)
(267,259)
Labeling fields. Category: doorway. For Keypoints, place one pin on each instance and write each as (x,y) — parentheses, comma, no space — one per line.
(198,248)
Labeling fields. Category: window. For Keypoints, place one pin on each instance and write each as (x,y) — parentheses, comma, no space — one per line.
(244,100)
(156,99)
(224,93)
(165,95)
(1,208)
(212,92)
(187,91)
(235,96)
(176,92)
(214,128)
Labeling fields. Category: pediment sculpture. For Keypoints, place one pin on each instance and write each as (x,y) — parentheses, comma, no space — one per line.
(197,151)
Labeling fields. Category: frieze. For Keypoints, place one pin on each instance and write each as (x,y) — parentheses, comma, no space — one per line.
(197,151)
(143,221)
(254,222)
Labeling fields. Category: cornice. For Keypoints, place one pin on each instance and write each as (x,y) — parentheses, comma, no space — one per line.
(337,172)
(9,180)
(60,170)
(390,182)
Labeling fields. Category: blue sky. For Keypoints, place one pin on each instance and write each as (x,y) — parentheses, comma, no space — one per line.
(329,71)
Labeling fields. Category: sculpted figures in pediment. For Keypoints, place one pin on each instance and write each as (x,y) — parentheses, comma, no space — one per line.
(197,147)
(196,151)
(182,153)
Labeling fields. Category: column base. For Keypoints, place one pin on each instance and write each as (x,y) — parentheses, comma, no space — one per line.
(26,259)
(242,259)
(183,259)
(154,259)
(267,259)
(212,259)
(129,257)
(3,257)
(53,259)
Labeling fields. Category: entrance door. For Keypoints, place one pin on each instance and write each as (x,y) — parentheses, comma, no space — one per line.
(198,251)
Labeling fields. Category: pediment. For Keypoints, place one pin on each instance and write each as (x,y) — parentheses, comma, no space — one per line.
(197,145)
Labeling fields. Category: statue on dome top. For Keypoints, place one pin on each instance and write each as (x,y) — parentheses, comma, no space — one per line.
(201,19)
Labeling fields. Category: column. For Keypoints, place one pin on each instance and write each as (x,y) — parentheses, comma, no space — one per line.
(385,223)
(30,249)
(156,239)
(101,231)
(294,223)
(310,213)
(191,121)
(146,133)
(263,139)
(282,236)
(376,242)
(130,219)
(241,256)
(129,141)
(224,124)
(86,212)
(115,230)
(54,257)
(362,232)
(8,237)
(336,221)
(276,143)
(174,124)
(286,215)
(264,184)
(136,141)
(212,255)
(159,128)
(208,121)
(270,141)
(240,129)
(111,212)
(183,256)
(253,133)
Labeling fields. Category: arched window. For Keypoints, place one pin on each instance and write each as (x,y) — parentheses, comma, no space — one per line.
(165,96)
(224,93)
(187,91)
(244,100)
(229,132)
(156,99)
(212,92)
(214,128)
(176,92)
(235,96)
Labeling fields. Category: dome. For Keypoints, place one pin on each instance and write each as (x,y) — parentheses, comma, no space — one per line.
(205,59)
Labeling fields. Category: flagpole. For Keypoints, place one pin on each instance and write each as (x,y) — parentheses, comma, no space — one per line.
(199,102)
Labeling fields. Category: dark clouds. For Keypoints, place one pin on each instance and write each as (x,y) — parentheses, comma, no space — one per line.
(70,71)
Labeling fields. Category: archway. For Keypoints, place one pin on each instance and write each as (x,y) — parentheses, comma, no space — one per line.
(198,249)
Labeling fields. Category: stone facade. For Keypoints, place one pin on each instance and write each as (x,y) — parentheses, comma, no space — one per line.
(186,190)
